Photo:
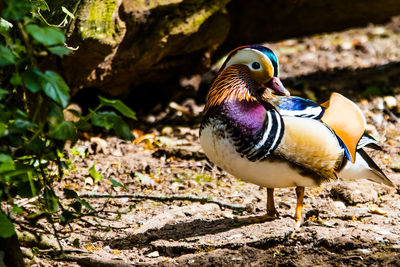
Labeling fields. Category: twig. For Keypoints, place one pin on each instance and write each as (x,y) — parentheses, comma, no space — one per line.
(391,114)
(52,251)
(92,260)
(169,198)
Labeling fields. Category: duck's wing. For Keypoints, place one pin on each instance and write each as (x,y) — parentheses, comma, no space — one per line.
(298,107)
(346,119)
(339,113)
(346,122)
(294,106)
(311,145)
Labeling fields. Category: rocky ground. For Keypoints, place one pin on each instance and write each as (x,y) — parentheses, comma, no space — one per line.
(177,209)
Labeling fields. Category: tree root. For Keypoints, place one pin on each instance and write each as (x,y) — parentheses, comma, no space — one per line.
(93,261)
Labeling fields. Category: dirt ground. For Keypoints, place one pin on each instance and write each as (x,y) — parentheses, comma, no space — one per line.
(345,223)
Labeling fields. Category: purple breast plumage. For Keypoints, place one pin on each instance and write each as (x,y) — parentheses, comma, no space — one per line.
(254,129)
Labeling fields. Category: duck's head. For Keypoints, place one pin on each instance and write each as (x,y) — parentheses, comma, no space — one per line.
(248,73)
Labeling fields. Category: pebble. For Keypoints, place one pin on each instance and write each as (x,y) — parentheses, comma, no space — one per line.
(167,130)
(154,254)
(346,45)
(390,102)
(339,205)
(89,181)
(364,250)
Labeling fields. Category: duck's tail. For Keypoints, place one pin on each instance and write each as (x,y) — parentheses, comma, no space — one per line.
(364,168)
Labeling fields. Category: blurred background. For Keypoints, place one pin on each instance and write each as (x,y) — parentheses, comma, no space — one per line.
(152,52)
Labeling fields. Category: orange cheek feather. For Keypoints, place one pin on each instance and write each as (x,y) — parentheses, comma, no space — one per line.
(346,119)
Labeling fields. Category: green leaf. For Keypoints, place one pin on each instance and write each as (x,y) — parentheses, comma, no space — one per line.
(6,163)
(36,145)
(33,80)
(115,183)
(66,11)
(83,125)
(20,126)
(5,25)
(110,120)
(122,130)
(120,106)
(6,56)
(59,50)
(75,113)
(77,206)
(55,87)
(55,114)
(41,4)
(16,9)
(3,129)
(70,193)
(76,243)
(105,119)
(86,204)
(5,157)
(94,174)
(17,209)
(46,35)
(3,93)
(64,131)
(51,200)
(16,79)
(66,217)
(6,227)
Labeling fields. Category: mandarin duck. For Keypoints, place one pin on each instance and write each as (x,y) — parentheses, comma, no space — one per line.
(254,130)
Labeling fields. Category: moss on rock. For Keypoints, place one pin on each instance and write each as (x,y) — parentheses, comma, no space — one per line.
(99,20)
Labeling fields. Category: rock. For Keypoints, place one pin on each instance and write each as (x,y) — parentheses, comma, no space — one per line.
(167,130)
(126,44)
(154,254)
(354,192)
(339,205)
(151,49)
(390,102)
(27,252)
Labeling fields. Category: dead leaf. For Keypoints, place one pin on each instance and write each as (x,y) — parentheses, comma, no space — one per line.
(376,210)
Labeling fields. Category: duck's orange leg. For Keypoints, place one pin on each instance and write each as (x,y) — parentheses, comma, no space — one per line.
(271,211)
(299,206)
(271,215)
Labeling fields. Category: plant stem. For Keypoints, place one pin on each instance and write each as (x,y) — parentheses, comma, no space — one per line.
(29,48)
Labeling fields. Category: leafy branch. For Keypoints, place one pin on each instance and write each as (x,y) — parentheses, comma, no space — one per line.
(33,127)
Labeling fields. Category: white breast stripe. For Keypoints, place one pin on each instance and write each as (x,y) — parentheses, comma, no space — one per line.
(278,131)
(265,135)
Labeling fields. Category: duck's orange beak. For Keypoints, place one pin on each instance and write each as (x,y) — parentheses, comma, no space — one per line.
(277,87)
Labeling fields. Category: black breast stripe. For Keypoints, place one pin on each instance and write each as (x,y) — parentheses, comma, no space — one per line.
(266,140)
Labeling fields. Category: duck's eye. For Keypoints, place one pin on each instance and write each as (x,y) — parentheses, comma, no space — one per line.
(255,65)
